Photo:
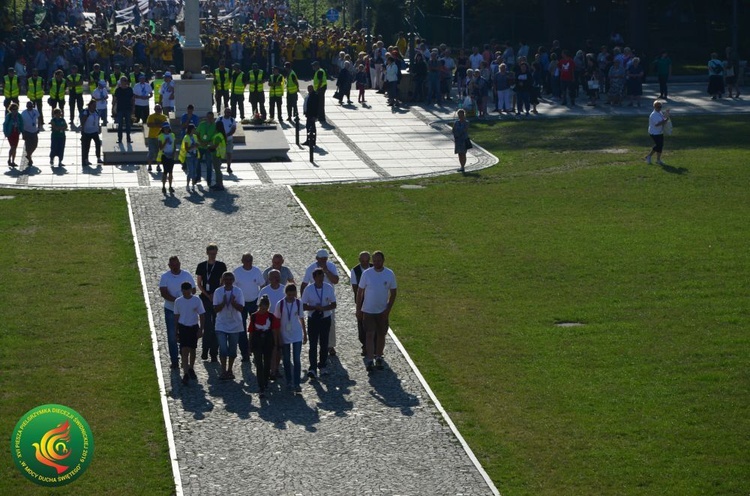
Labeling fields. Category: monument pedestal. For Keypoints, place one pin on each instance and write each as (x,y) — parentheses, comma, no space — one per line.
(197,91)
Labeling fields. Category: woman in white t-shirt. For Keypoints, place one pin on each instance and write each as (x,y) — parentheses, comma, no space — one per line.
(228,305)
(290,317)
(656,122)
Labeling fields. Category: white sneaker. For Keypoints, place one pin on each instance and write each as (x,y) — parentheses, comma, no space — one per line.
(647,158)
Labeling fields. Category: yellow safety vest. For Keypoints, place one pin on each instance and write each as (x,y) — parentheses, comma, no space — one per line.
(221,145)
(239,84)
(156,84)
(95,77)
(320,79)
(57,89)
(134,79)
(187,142)
(256,84)
(278,81)
(292,83)
(221,79)
(10,89)
(75,83)
(114,80)
(36,89)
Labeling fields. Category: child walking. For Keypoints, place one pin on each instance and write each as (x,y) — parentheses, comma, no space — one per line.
(188,320)
(361,80)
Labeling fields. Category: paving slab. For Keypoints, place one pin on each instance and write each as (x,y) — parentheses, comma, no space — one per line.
(347,434)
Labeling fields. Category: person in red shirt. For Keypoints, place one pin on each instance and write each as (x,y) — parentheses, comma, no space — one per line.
(567,78)
(263,332)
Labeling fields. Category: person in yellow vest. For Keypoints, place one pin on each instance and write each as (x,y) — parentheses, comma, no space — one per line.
(257,95)
(222,83)
(167,148)
(35,92)
(218,149)
(320,84)
(114,79)
(156,86)
(292,91)
(276,91)
(95,76)
(239,80)
(189,155)
(75,92)
(57,91)
(11,90)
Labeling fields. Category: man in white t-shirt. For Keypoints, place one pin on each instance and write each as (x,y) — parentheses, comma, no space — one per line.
(189,322)
(249,279)
(170,288)
(142,92)
(375,298)
(355,275)
(228,304)
(318,299)
(167,93)
(331,276)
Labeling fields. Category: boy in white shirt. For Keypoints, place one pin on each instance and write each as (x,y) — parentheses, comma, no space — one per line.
(101,95)
(188,320)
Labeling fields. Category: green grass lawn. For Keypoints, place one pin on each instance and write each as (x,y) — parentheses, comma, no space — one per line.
(75,332)
(652,395)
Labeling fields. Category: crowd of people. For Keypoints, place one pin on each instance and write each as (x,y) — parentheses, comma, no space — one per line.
(263,314)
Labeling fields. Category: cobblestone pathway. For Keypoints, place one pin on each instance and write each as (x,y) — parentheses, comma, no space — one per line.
(348,434)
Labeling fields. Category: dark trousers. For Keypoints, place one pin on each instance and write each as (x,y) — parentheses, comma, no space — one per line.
(222,95)
(663,86)
(238,101)
(568,89)
(123,123)
(258,101)
(291,105)
(86,139)
(362,334)
(209,343)
(55,104)
(322,105)
(263,344)
(318,331)
(75,101)
(250,308)
(275,101)
(31,142)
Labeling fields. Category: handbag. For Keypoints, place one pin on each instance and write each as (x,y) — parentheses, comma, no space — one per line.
(467,144)
(593,84)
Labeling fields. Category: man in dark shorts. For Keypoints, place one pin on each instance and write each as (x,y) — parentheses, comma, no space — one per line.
(208,276)
(189,321)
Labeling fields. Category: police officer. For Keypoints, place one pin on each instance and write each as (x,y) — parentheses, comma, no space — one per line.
(239,80)
(11,90)
(276,91)
(95,76)
(257,95)
(222,83)
(57,91)
(75,92)
(35,92)
(320,84)
(292,91)
(114,79)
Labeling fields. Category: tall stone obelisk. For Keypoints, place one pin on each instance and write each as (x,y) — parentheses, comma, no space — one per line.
(196,91)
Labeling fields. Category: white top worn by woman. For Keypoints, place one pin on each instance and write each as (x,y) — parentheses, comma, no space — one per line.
(289,315)
(229,319)
(655,118)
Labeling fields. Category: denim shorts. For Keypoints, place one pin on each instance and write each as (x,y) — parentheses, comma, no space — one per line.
(228,343)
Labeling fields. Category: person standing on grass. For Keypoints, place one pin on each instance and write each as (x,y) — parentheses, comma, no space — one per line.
(291,321)
(375,298)
(331,276)
(57,147)
(189,322)
(30,118)
(170,288)
(228,304)
(249,279)
(166,152)
(656,122)
(264,336)
(208,275)
(318,300)
(354,277)
(461,138)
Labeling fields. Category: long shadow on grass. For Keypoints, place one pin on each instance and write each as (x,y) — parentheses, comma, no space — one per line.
(387,389)
(674,170)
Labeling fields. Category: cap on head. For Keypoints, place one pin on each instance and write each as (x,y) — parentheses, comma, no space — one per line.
(322,253)
(167,74)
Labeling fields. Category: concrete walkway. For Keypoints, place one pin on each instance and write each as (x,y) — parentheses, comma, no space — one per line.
(364,143)
(347,434)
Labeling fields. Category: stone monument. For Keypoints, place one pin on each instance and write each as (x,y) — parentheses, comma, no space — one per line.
(197,90)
